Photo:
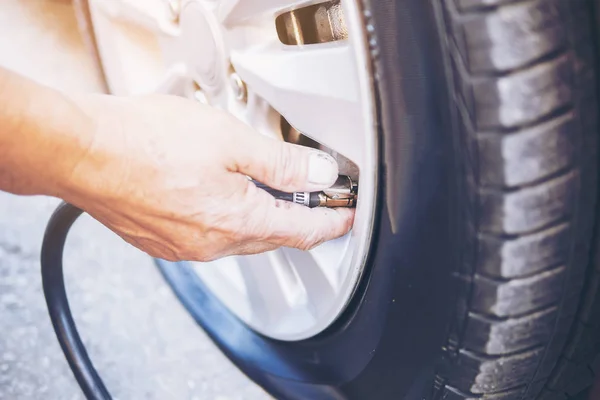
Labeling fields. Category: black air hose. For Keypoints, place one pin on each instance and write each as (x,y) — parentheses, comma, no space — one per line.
(58,306)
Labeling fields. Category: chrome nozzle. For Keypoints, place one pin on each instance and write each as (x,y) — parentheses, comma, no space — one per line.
(341,194)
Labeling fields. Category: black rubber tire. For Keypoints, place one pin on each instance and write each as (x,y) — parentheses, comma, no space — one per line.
(481,281)
(524,85)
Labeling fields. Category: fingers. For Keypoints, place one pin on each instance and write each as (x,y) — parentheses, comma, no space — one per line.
(292,225)
(304,228)
(284,166)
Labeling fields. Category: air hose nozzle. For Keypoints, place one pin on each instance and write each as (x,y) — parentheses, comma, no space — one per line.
(341,194)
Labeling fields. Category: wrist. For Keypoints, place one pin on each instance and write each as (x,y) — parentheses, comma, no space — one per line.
(93,146)
(70,135)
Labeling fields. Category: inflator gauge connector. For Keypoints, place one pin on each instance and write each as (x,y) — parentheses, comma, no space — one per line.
(341,194)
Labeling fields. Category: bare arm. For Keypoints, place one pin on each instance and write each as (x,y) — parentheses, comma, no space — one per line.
(43,135)
(166,174)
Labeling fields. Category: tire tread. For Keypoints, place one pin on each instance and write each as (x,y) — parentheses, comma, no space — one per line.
(524,75)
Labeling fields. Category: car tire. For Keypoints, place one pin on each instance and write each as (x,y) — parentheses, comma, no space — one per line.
(482,280)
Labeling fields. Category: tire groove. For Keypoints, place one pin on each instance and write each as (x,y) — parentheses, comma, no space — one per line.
(495,318)
(496,279)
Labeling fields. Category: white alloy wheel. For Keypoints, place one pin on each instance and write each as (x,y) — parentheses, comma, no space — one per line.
(304,62)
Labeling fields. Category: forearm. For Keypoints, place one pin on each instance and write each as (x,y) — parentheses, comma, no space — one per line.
(43,135)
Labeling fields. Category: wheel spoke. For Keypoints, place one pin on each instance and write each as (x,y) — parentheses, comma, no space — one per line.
(175,81)
(152,15)
(288,279)
(329,256)
(314,87)
(261,117)
(134,58)
(236,11)
(264,292)
(318,287)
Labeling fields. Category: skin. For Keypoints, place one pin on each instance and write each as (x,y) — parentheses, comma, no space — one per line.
(166,174)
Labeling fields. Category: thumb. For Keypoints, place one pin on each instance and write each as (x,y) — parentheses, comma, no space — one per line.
(286,167)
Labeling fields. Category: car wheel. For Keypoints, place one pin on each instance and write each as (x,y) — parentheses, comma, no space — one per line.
(472,127)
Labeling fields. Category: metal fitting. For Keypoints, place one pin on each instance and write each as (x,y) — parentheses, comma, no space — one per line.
(238,86)
(342,194)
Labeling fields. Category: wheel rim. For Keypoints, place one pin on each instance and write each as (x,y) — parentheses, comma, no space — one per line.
(262,60)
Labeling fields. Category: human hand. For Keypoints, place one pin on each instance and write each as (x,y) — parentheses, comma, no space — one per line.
(169,176)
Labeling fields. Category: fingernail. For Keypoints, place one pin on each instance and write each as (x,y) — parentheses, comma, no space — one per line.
(322,169)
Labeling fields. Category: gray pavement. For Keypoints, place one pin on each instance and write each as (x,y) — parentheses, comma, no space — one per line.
(140,338)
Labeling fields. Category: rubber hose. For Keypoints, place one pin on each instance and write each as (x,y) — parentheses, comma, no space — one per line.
(58,306)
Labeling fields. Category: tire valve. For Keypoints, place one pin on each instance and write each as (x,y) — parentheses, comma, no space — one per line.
(341,194)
